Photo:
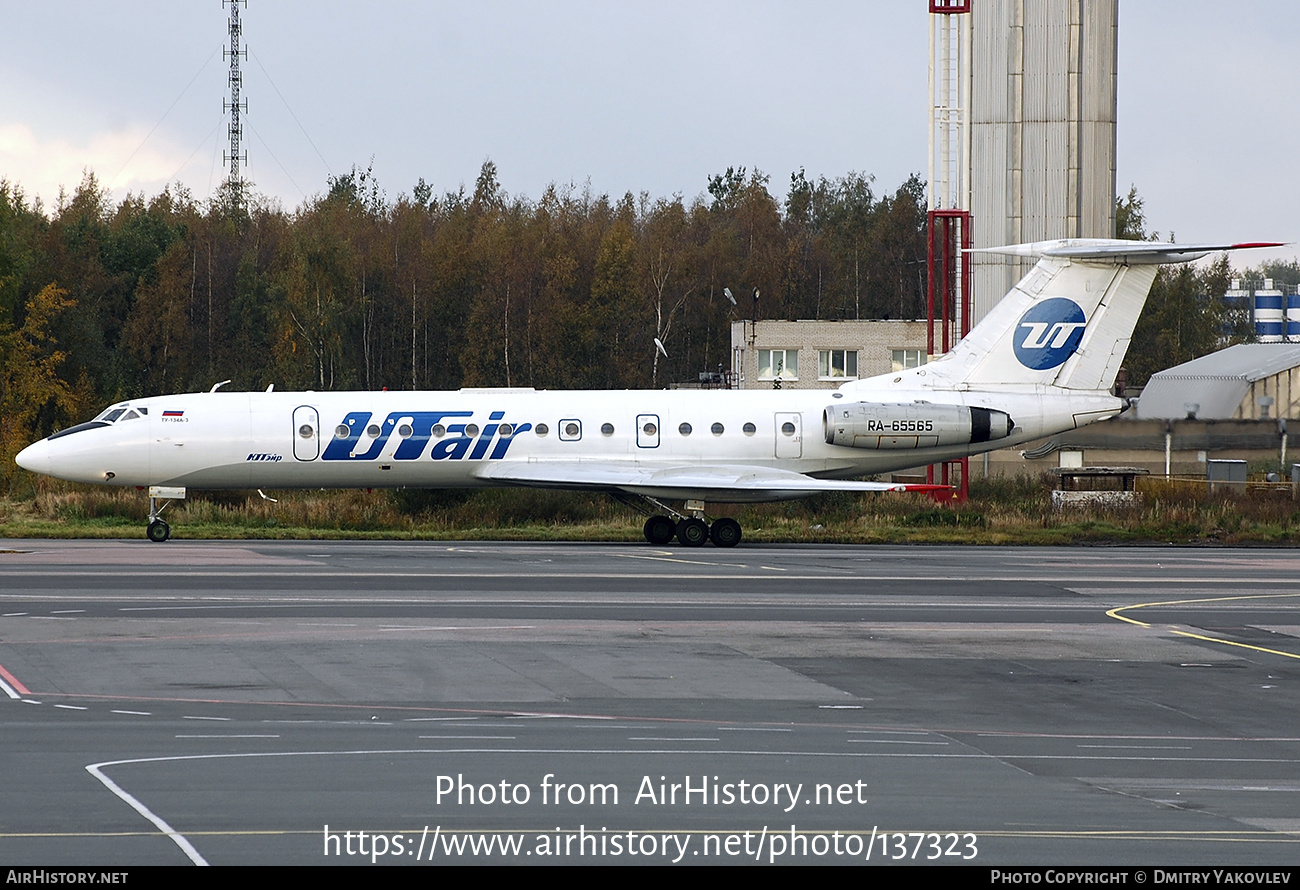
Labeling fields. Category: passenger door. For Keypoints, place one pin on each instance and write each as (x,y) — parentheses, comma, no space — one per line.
(789,434)
(647,430)
(306,433)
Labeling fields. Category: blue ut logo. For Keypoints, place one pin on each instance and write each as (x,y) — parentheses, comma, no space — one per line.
(1049,333)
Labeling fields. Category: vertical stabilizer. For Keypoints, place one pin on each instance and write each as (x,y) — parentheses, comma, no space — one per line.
(1069,321)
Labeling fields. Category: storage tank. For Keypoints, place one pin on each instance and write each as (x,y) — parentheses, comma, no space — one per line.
(1270,314)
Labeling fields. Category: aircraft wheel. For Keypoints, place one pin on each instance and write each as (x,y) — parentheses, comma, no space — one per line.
(158,531)
(659,530)
(692,532)
(725,533)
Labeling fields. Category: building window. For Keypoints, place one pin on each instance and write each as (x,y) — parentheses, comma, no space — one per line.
(783,363)
(833,364)
(908,358)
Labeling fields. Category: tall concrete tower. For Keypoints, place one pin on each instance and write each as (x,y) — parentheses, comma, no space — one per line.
(1042,129)
(1022,139)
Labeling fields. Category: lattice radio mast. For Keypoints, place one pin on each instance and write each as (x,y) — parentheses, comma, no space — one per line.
(235,104)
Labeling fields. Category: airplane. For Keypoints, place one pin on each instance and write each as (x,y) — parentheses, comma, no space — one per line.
(1041,362)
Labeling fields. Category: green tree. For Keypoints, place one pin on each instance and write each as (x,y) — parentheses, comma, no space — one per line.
(35,398)
(1183,319)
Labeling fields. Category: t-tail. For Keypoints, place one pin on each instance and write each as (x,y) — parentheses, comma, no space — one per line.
(1068,322)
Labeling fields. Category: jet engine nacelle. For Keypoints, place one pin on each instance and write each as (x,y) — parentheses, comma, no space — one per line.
(915,425)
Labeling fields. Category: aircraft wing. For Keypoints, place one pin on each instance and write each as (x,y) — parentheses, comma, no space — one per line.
(726,483)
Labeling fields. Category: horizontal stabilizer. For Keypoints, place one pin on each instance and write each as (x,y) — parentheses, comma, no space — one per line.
(1120,252)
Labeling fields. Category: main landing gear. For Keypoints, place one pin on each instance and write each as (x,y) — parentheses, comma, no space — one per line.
(691,531)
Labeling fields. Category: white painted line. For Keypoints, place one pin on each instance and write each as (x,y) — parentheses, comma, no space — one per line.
(498,737)
(646,738)
(187,717)
(891,731)
(181,841)
(31,701)
(457,627)
(542,715)
(434,719)
(13,614)
(894,742)
(227,736)
(9,690)
(72,707)
(748,729)
(67,611)
(1140,747)
(840,707)
(133,713)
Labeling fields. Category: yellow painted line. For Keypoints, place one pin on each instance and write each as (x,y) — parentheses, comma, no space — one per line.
(1115,613)
(1183,633)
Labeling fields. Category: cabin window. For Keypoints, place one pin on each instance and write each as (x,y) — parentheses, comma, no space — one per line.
(306,431)
(787,428)
(717,429)
(835,364)
(541,429)
(438,431)
(570,430)
(404,431)
(607,429)
(749,429)
(684,429)
(505,430)
(774,363)
(471,429)
(342,431)
(373,431)
(650,429)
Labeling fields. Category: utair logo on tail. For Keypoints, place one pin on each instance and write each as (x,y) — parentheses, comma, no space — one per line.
(1048,333)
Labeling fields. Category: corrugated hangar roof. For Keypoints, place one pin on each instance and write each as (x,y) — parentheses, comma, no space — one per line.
(1217,382)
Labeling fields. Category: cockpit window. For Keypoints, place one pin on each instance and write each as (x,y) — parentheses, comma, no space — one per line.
(130,415)
(113,415)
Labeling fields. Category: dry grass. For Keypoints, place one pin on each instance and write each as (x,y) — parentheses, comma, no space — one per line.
(1000,511)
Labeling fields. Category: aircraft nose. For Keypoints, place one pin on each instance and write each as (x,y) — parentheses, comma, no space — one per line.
(35,457)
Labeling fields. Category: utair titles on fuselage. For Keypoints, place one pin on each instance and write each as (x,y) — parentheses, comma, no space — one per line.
(1041,362)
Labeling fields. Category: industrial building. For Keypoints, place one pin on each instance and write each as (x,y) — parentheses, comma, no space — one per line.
(1234,404)
(822,354)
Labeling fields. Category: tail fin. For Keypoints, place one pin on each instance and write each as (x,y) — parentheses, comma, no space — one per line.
(1069,321)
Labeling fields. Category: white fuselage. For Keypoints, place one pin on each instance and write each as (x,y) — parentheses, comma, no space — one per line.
(231,440)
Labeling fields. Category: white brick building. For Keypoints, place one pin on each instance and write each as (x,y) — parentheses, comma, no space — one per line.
(822,354)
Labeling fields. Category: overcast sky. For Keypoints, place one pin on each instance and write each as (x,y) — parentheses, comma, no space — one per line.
(632,97)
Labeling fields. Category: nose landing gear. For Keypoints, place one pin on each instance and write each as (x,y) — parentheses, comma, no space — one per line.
(159,497)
